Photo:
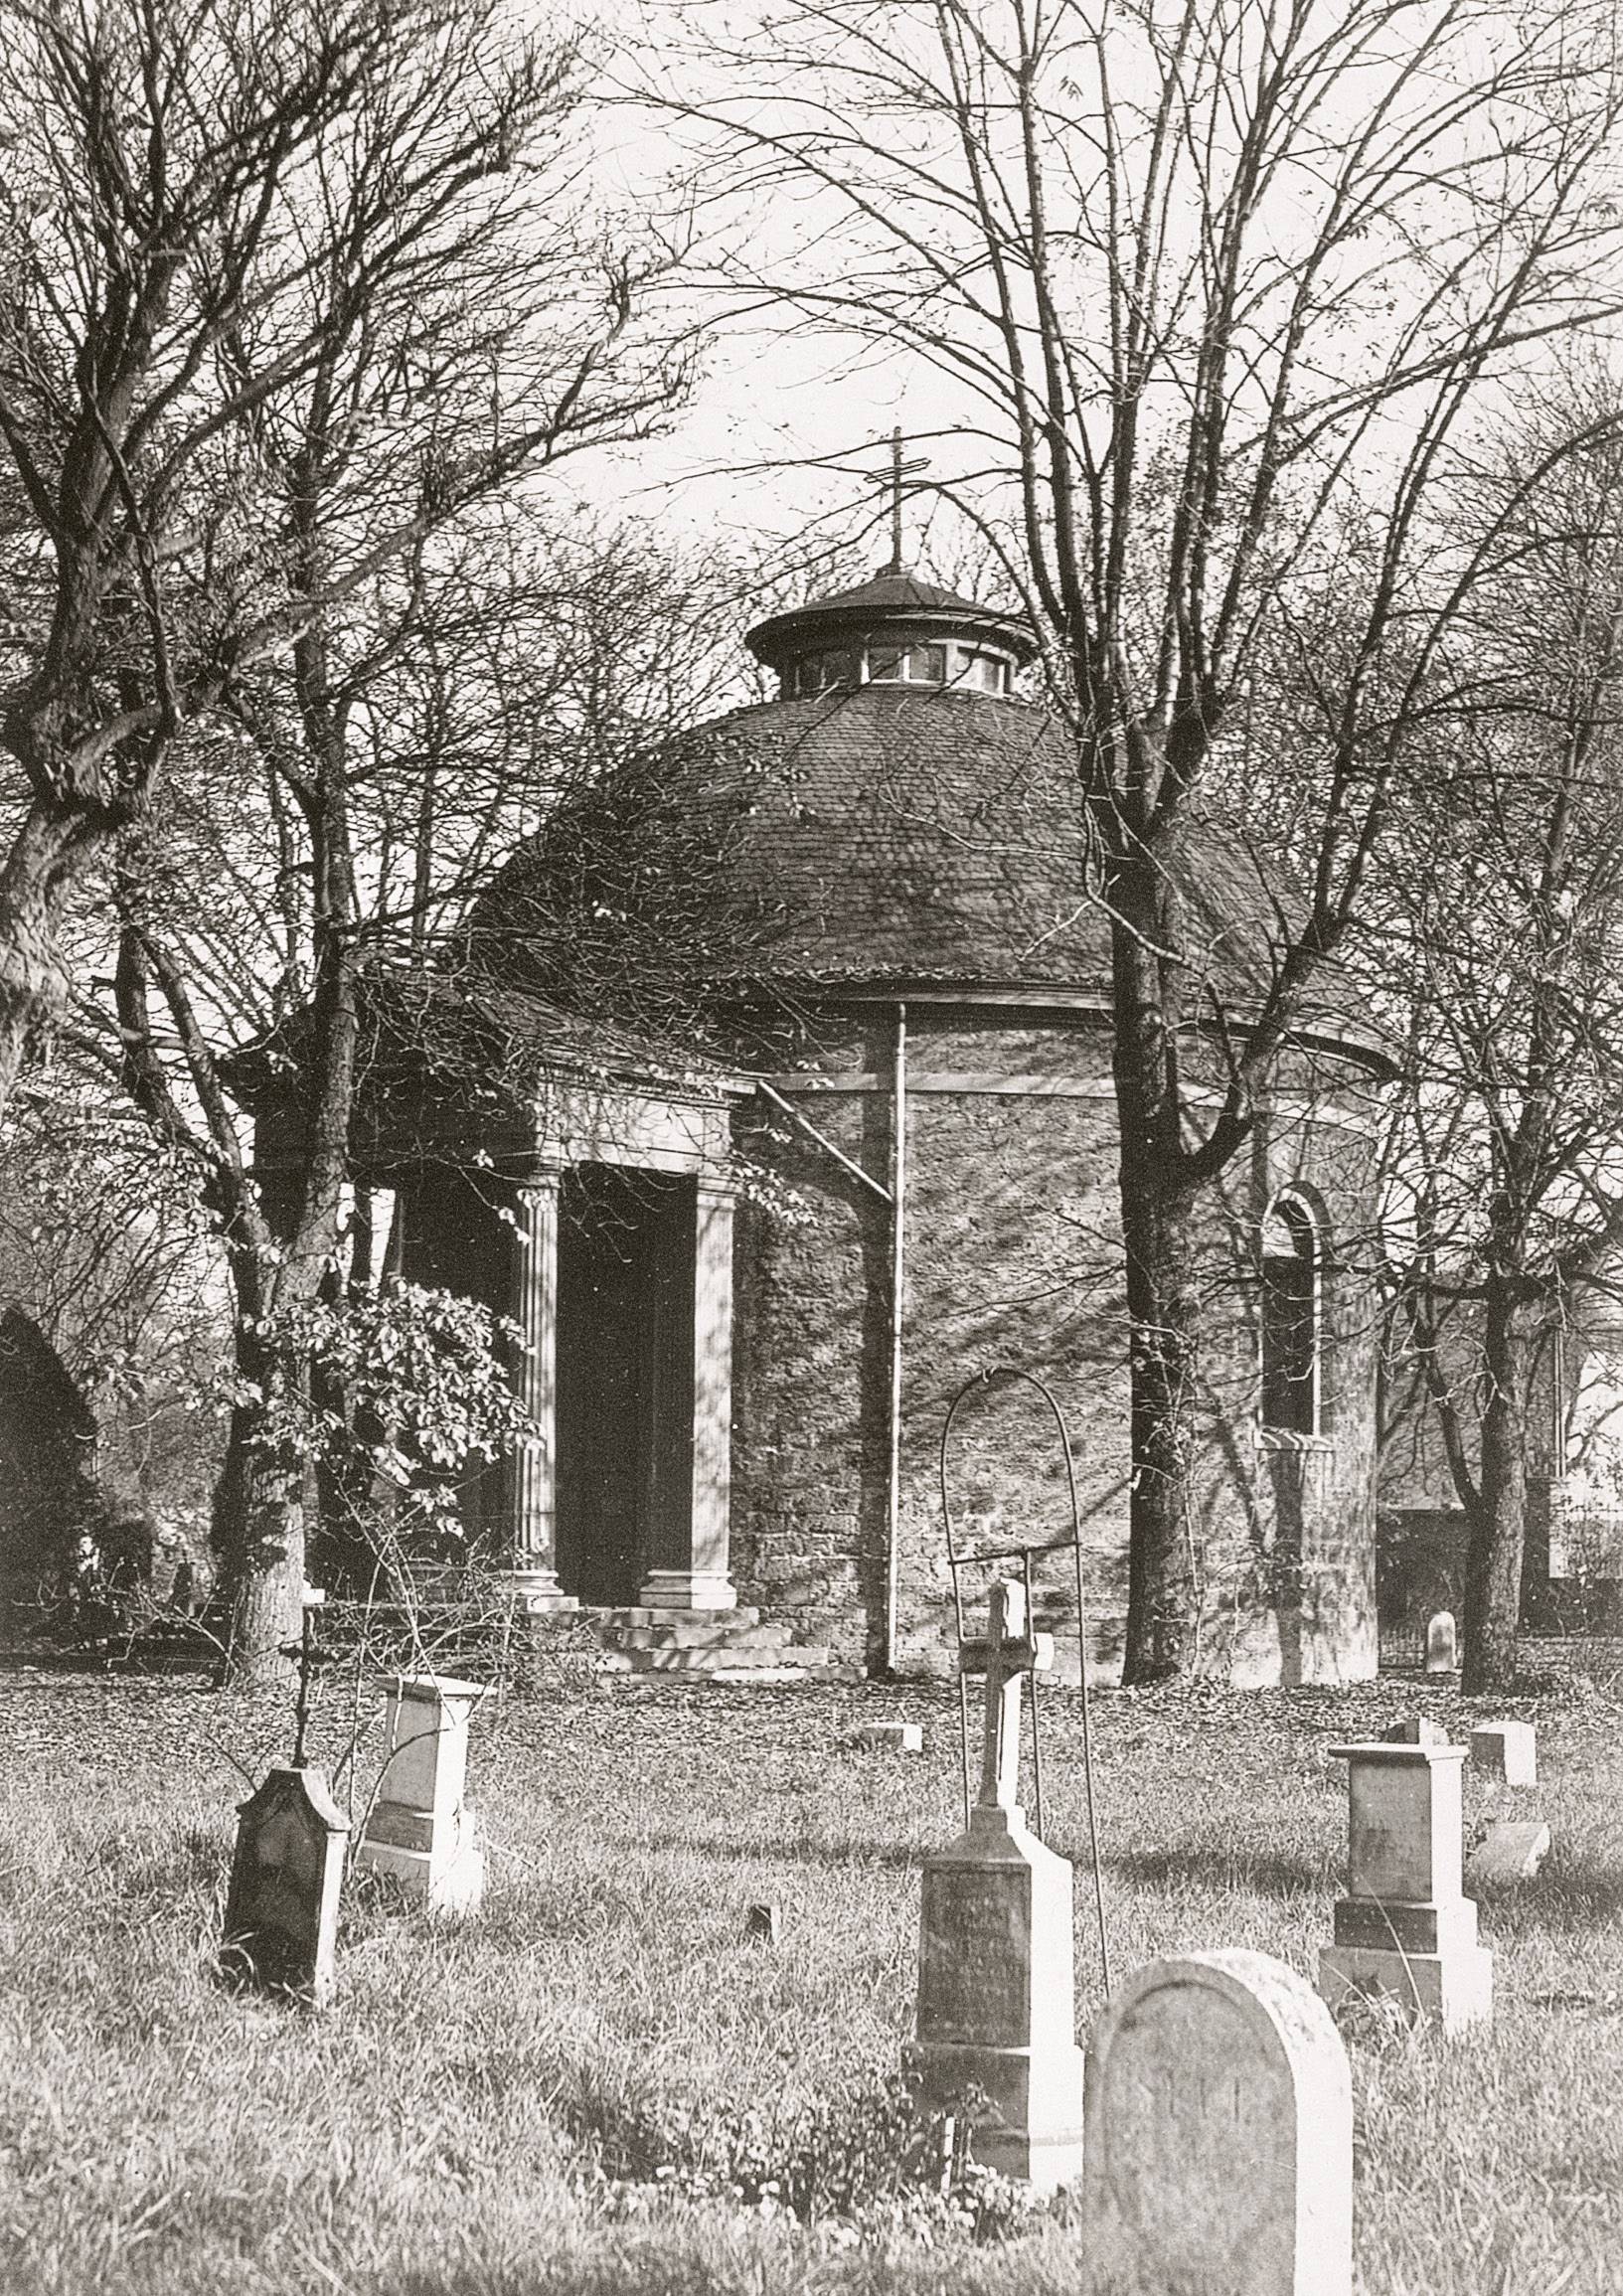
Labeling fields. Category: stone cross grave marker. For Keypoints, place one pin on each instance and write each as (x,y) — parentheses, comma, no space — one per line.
(1406,1929)
(996,1999)
(281,1910)
(1440,1653)
(1219,2131)
(1007,1656)
(419,1829)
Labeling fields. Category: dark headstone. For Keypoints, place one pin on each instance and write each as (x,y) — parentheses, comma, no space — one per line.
(282,1915)
(48,1495)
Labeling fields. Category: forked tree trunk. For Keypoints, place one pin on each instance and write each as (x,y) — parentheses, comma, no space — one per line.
(1498,1523)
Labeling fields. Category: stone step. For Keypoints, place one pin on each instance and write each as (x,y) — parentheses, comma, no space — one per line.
(787,1663)
(696,1637)
(747,1677)
(742,1615)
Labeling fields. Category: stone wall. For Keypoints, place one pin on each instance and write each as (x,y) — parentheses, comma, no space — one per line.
(1014,1257)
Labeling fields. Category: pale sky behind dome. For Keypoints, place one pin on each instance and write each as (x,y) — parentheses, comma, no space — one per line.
(785,439)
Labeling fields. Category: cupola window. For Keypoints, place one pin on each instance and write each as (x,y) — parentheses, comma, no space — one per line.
(817,673)
(988,672)
(906,665)
(893,630)
(1292,1320)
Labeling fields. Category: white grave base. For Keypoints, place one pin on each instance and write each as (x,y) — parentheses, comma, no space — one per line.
(419,1829)
(996,2000)
(438,1860)
(1453,1990)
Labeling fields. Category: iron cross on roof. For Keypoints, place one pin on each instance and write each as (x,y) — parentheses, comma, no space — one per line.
(893,477)
(1009,1653)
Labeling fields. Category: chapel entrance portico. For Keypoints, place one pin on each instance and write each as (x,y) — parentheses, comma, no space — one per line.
(622,1287)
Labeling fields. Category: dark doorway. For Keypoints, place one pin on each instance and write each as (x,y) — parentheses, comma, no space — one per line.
(625,1274)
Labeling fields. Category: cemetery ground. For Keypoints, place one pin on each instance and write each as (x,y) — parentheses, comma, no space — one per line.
(603,2083)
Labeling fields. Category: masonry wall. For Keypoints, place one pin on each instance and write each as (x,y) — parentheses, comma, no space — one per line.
(1013,1258)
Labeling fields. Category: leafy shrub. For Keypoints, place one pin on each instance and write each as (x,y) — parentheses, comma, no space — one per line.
(873,2161)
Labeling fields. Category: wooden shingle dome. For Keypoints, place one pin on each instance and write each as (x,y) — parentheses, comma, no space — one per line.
(904,817)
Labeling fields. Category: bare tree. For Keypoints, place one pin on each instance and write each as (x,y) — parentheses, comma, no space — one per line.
(1214,291)
(1499,944)
(217,215)
(294,291)
(472,694)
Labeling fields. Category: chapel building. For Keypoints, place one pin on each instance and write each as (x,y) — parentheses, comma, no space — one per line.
(750,1289)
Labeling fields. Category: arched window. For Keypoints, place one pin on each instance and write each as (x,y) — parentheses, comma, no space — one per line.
(1292,1320)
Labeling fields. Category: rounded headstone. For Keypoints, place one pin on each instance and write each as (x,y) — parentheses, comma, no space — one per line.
(1218,2121)
(1440,1651)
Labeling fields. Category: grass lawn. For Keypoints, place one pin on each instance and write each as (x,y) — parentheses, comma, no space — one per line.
(603,2084)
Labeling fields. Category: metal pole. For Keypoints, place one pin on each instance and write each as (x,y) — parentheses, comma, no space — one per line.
(898,1198)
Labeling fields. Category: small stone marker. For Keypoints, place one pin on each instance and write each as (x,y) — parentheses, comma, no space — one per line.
(899,1738)
(1508,1750)
(1512,1850)
(1219,2131)
(1441,1654)
(996,2004)
(1417,1732)
(1404,1928)
(420,1830)
(765,1922)
(281,1910)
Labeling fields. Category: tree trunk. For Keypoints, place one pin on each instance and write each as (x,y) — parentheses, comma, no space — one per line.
(258,1530)
(1497,1525)
(50,849)
(1157,1198)
(1162,1595)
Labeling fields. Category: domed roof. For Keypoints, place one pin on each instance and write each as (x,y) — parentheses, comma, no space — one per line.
(941,836)
(880,833)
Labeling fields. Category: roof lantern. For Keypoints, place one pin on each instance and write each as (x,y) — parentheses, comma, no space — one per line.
(893,630)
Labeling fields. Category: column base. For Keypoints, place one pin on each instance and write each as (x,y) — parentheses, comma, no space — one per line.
(687,1591)
(539,1593)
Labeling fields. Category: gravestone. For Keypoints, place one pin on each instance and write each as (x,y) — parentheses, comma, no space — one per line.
(1507,1750)
(995,2001)
(1440,1652)
(1406,1929)
(1417,1732)
(420,1828)
(1219,2131)
(281,1910)
(1512,1850)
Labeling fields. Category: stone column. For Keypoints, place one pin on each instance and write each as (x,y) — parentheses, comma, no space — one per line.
(533,1470)
(703,1582)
